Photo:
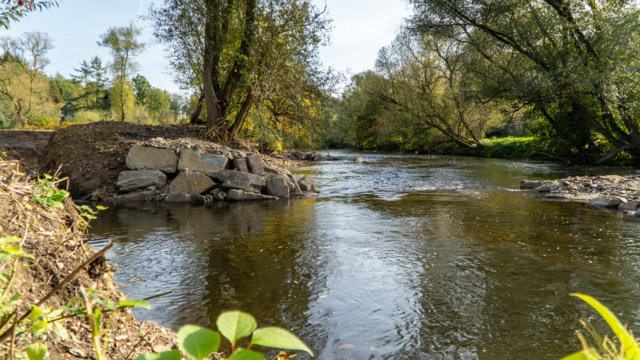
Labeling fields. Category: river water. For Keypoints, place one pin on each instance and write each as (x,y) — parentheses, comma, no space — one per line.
(399,257)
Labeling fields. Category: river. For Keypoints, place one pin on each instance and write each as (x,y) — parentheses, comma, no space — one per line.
(398,257)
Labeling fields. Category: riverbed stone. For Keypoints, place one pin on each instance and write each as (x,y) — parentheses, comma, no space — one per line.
(240,164)
(629,206)
(140,179)
(191,182)
(150,158)
(530,184)
(178,197)
(254,163)
(207,164)
(231,179)
(307,184)
(605,202)
(277,186)
(241,195)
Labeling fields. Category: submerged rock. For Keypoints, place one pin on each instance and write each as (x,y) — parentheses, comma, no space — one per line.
(240,195)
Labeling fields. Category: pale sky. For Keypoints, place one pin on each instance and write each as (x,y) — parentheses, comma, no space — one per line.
(359,29)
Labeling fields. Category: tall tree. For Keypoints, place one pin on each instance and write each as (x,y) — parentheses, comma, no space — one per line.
(574,61)
(224,49)
(124,46)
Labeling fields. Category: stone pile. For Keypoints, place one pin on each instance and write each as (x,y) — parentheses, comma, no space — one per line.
(609,191)
(184,173)
(308,156)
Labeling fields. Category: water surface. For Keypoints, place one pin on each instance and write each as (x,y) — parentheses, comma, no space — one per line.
(399,257)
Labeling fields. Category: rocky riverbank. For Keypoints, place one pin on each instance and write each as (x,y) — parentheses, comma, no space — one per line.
(608,191)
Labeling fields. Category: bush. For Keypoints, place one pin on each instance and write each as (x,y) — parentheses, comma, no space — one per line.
(86,116)
(510,147)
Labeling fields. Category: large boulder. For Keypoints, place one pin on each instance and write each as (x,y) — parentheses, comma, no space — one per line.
(191,182)
(150,158)
(240,195)
(207,164)
(254,162)
(629,206)
(231,179)
(277,186)
(140,179)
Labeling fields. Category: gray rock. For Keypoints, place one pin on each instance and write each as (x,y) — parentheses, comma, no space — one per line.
(277,186)
(607,203)
(178,197)
(629,206)
(191,182)
(530,184)
(240,195)
(254,162)
(240,164)
(207,164)
(150,158)
(307,184)
(134,197)
(550,188)
(140,179)
(235,153)
(231,179)
(294,188)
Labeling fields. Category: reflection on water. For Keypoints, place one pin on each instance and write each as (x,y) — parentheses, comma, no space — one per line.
(403,257)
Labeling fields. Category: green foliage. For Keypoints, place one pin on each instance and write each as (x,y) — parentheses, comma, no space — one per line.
(604,349)
(166,355)
(13,10)
(36,351)
(235,325)
(198,343)
(511,147)
(45,192)
(86,116)
(122,99)
(141,87)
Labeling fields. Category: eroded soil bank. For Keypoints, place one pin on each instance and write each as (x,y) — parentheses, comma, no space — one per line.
(53,234)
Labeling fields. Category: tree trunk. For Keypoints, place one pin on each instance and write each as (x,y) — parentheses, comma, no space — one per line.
(195,115)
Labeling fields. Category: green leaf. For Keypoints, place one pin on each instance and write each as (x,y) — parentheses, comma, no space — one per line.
(279,338)
(235,325)
(197,342)
(9,240)
(35,313)
(576,356)
(61,332)
(166,355)
(39,328)
(134,303)
(36,351)
(631,349)
(242,354)
(97,320)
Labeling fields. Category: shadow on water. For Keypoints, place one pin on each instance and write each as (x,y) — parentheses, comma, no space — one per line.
(403,257)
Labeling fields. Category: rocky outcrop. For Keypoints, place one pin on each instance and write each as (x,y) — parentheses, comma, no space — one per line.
(150,158)
(607,192)
(309,156)
(203,173)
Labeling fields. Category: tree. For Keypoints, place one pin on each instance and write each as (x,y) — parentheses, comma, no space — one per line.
(158,104)
(124,45)
(13,10)
(25,60)
(142,88)
(574,62)
(122,99)
(225,50)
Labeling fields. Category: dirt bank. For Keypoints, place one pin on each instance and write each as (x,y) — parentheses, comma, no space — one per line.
(52,234)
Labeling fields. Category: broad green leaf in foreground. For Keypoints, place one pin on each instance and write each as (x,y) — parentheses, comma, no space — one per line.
(278,338)
(242,354)
(631,349)
(197,342)
(166,355)
(235,325)
(36,351)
